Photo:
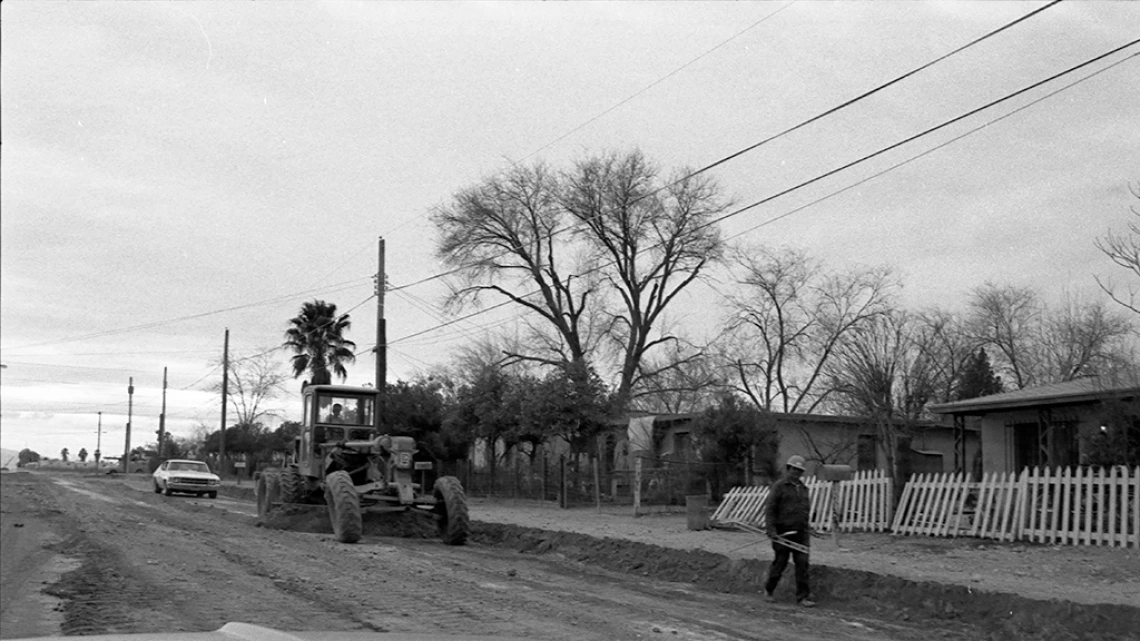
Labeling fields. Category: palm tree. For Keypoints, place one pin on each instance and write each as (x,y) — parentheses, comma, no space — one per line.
(316,337)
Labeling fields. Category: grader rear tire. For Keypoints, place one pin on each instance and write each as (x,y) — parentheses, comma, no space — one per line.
(294,489)
(451,510)
(344,507)
(268,493)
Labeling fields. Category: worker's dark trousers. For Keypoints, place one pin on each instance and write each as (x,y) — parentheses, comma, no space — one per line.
(776,570)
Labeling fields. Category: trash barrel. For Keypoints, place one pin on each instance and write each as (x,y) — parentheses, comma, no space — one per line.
(697,511)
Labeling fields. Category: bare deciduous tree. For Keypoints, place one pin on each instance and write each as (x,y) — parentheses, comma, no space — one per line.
(682,379)
(1082,337)
(556,245)
(505,236)
(788,321)
(950,350)
(1006,318)
(887,373)
(253,381)
(1123,248)
(1035,344)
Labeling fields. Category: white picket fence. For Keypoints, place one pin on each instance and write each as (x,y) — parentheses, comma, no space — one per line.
(1067,506)
(863,503)
(1082,506)
(1064,506)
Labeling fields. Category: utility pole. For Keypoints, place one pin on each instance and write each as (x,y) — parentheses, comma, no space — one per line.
(225,397)
(162,418)
(130,413)
(99,442)
(381,343)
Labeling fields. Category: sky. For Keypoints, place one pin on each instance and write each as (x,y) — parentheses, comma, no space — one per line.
(171,170)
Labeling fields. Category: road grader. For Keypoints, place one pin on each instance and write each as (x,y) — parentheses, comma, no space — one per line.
(342,461)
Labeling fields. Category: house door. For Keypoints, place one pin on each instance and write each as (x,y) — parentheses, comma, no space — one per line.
(866,457)
(1026,447)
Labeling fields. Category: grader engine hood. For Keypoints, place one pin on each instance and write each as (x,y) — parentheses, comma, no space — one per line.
(402,448)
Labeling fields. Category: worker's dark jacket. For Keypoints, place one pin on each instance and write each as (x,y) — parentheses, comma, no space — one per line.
(788,506)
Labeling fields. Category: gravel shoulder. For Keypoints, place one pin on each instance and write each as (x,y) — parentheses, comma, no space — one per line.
(1081,574)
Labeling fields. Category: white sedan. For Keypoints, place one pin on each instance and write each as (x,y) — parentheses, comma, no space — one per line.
(189,477)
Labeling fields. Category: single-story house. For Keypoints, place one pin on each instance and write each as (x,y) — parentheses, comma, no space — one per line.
(819,438)
(1038,426)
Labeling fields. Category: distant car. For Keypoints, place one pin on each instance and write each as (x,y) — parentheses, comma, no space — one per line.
(187,477)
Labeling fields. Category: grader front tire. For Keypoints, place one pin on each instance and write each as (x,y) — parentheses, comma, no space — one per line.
(451,510)
(344,507)
(268,493)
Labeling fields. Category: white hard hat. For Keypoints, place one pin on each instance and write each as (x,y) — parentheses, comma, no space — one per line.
(797,462)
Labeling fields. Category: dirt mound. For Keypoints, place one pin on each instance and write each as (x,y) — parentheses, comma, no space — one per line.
(315,518)
(998,616)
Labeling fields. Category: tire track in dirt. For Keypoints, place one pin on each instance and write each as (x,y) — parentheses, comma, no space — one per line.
(475,589)
(516,581)
(149,566)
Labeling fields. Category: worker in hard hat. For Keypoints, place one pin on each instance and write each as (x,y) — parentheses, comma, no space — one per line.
(787,514)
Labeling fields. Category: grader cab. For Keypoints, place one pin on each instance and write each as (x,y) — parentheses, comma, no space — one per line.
(340,459)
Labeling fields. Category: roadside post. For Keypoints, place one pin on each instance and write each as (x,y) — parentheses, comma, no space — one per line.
(835,474)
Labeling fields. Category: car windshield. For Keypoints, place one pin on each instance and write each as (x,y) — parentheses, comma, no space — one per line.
(186,466)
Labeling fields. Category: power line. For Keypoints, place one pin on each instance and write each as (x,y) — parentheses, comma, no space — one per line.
(629,98)
(789,130)
(935,148)
(822,176)
(343,263)
(865,94)
(180,319)
(921,134)
(656,82)
(706,168)
(118,353)
(453,321)
(429,309)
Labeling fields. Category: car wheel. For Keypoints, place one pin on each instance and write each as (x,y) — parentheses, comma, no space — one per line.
(157,489)
(212,495)
(166,490)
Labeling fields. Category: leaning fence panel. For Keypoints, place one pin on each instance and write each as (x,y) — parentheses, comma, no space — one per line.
(862,503)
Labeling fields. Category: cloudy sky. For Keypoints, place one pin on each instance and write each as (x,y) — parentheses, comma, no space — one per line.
(173,169)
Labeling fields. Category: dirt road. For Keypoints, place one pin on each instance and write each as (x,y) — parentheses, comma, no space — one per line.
(84,555)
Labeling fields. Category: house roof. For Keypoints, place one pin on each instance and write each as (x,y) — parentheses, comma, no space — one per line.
(781,417)
(1080,391)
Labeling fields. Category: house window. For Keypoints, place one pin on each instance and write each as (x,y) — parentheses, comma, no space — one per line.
(1041,444)
(683,445)
(867,458)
